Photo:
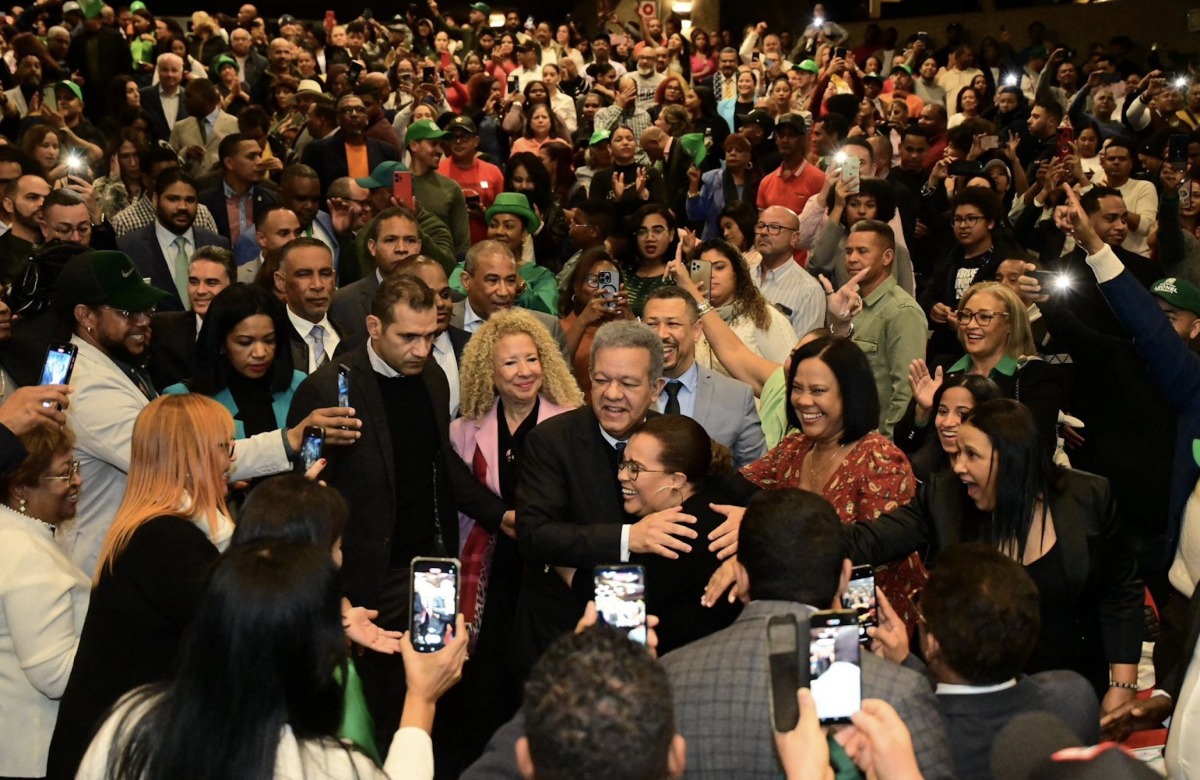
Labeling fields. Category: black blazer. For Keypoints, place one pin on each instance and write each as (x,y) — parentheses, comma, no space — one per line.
(172,342)
(214,198)
(328,157)
(1100,567)
(458,339)
(152,104)
(351,305)
(142,246)
(365,472)
(300,347)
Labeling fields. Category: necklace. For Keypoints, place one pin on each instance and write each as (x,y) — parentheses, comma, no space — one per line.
(812,455)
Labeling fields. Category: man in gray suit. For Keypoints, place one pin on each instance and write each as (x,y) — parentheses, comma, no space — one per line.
(492,283)
(724,406)
(395,236)
(793,555)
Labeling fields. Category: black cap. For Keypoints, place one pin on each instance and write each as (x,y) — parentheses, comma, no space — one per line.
(761,118)
(462,124)
(104,277)
(794,121)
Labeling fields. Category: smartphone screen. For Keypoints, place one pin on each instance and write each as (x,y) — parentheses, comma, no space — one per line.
(60,360)
(834,667)
(609,284)
(402,188)
(852,174)
(310,450)
(840,52)
(356,69)
(701,273)
(513,83)
(989,142)
(1066,137)
(343,386)
(434,602)
(621,598)
(860,597)
(427,73)
(783,658)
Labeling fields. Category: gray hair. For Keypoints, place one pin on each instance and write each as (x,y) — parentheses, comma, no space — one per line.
(630,335)
(729,50)
(487,247)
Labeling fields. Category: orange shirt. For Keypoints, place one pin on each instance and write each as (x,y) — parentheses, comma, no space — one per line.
(356,161)
(483,178)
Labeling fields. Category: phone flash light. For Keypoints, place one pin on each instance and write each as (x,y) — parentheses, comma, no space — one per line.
(75,162)
(1010,80)
(840,157)
(1181,82)
(1061,283)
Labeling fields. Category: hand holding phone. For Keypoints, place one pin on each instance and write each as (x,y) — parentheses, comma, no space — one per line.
(835,670)
(402,188)
(314,443)
(700,272)
(621,598)
(860,597)
(343,386)
(60,362)
(609,284)
(434,608)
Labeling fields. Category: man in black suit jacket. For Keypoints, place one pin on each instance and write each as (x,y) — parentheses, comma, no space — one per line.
(241,178)
(163,249)
(304,280)
(327,156)
(100,54)
(569,507)
(402,480)
(166,97)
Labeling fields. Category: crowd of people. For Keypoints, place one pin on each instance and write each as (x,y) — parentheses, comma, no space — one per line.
(748,311)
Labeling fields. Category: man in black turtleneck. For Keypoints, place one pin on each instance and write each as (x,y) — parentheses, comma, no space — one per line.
(404,484)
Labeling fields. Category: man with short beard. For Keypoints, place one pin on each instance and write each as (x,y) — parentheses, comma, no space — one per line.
(29,82)
(646,78)
(725,79)
(280,55)
(23,199)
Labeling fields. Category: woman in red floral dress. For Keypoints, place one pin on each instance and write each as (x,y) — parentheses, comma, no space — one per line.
(835,451)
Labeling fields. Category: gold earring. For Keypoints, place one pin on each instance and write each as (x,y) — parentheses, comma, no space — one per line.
(21,506)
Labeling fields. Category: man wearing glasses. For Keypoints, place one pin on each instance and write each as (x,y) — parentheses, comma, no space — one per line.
(781,279)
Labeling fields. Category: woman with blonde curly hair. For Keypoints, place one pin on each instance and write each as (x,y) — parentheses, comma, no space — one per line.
(168,532)
(513,377)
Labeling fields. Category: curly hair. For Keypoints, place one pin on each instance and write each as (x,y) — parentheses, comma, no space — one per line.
(747,300)
(476,369)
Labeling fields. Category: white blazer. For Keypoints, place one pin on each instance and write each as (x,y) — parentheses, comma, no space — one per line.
(103,408)
(43,601)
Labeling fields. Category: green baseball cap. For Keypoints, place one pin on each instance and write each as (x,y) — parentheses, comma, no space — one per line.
(71,85)
(693,144)
(599,137)
(105,277)
(482,8)
(424,130)
(382,176)
(514,203)
(137,5)
(807,65)
(1180,293)
(224,60)
(904,67)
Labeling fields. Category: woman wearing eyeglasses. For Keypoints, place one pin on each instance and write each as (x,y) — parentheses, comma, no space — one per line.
(650,248)
(585,310)
(43,597)
(153,564)
(993,328)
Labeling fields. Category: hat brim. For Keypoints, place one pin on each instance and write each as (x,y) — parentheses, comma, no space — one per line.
(532,223)
(136,296)
(369,183)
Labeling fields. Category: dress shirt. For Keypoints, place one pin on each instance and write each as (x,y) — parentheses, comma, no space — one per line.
(625,528)
(209,123)
(170,104)
(687,393)
(795,293)
(471,320)
(166,242)
(199,325)
(241,211)
(1181,756)
(443,353)
(378,364)
(304,328)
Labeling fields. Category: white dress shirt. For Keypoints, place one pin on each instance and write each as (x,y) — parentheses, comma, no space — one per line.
(471,320)
(170,104)
(329,341)
(443,353)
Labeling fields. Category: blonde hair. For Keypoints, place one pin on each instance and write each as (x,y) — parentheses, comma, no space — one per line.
(1020,334)
(175,468)
(477,369)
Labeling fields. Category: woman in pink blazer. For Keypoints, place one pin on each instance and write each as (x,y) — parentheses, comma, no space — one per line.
(513,377)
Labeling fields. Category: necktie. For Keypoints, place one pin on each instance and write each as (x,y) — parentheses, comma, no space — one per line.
(181,267)
(672,391)
(203,125)
(318,350)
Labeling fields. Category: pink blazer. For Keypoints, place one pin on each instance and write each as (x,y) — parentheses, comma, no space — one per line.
(468,435)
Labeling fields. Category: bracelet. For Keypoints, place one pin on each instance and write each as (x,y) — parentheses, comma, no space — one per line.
(1126,686)
(705,307)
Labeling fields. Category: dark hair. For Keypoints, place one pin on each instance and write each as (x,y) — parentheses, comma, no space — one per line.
(587,260)
(672,293)
(62,197)
(211,370)
(1091,199)
(984,610)
(748,301)
(173,176)
(835,125)
(540,195)
(598,706)
(915,130)
(881,229)
(979,106)
(1051,107)
(856,383)
(262,652)
(290,508)
(229,144)
(981,388)
(685,446)
(792,546)
(746,217)
(1020,472)
(122,137)
(392,213)
(981,198)
(885,198)
(202,88)
(219,255)
(400,288)
(635,223)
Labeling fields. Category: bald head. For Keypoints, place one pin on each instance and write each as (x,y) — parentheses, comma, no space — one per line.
(778,248)
(280,53)
(654,143)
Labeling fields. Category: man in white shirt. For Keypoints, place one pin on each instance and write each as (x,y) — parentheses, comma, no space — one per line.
(959,73)
(1140,196)
(274,227)
(779,277)
(449,342)
(305,281)
(528,70)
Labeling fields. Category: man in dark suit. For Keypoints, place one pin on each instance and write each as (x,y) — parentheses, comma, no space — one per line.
(675,160)
(305,282)
(330,156)
(241,187)
(792,553)
(99,53)
(164,102)
(209,271)
(980,615)
(161,251)
(569,506)
(404,483)
(395,235)
(450,342)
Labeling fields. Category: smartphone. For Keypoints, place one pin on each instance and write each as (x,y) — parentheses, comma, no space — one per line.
(1052,281)
(1177,151)
(860,597)
(366,14)
(621,598)
(402,188)
(1069,55)
(343,386)
(514,83)
(701,273)
(428,73)
(60,362)
(923,37)
(310,449)
(356,69)
(1066,137)
(834,665)
(434,602)
(852,174)
(755,57)
(783,659)
(473,198)
(609,284)
(841,51)
(965,168)
(989,142)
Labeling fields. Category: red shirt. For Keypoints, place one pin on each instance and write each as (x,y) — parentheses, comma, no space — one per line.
(482,177)
(790,188)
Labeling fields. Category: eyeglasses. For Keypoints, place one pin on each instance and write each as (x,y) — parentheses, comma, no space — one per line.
(352,110)
(634,468)
(656,231)
(591,280)
(72,470)
(129,315)
(970,220)
(230,444)
(983,316)
(772,229)
(68,231)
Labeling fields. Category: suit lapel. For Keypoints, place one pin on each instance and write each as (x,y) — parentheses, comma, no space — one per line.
(364,390)
(704,397)
(1072,537)
(487,441)
(160,272)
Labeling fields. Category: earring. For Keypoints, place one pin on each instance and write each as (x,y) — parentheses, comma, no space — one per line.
(21,506)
